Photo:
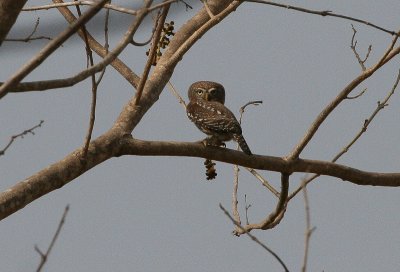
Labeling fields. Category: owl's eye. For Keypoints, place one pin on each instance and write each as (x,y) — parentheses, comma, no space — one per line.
(199,91)
(213,91)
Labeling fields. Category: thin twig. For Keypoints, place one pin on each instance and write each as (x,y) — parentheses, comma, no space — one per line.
(276,216)
(358,95)
(255,239)
(102,51)
(264,182)
(363,129)
(176,94)
(107,59)
(353,46)
(44,256)
(30,36)
(235,211)
(135,43)
(49,49)
(20,135)
(252,171)
(92,117)
(387,56)
(325,13)
(207,9)
(106,6)
(153,49)
(246,209)
(309,230)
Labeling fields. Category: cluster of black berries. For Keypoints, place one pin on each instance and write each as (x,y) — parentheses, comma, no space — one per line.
(166,34)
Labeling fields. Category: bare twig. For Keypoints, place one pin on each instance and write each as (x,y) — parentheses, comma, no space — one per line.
(106,6)
(44,256)
(189,41)
(309,230)
(255,239)
(246,209)
(49,49)
(276,216)
(108,58)
(387,56)
(324,13)
(254,103)
(102,51)
(252,171)
(207,8)
(358,95)
(363,129)
(153,49)
(30,36)
(20,135)
(81,3)
(94,89)
(235,211)
(353,46)
(367,122)
(264,182)
(176,94)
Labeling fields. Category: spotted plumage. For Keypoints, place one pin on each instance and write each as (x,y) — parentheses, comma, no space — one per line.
(207,111)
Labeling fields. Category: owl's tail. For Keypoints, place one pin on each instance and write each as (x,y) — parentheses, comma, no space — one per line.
(242,143)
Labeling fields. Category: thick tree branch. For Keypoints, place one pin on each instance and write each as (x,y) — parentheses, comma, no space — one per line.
(118,65)
(187,35)
(156,148)
(106,146)
(113,144)
(9,10)
(108,57)
(57,175)
(49,49)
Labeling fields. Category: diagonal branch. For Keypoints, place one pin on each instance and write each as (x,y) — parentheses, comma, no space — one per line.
(49,49)
(44,256)
(121,67)
(188,34)
(152,53)
(109,144)
(388,55)
(20,135)
(254,238)
(324,13)
(363,129)
(110,56)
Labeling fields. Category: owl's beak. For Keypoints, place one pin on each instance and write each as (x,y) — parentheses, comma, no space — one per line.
(207,95)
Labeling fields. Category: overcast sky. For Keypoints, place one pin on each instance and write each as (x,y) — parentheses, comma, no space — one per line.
(160,214)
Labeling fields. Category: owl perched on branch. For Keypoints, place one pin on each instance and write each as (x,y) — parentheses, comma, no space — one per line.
(207,111)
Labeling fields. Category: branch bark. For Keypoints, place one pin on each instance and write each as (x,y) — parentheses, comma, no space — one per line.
(9,11)
(49,49)
(108,145)
(387,56)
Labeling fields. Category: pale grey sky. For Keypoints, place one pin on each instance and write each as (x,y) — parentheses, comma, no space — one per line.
(159,213)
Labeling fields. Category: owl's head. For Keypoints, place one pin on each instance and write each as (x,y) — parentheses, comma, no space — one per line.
(207,90)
